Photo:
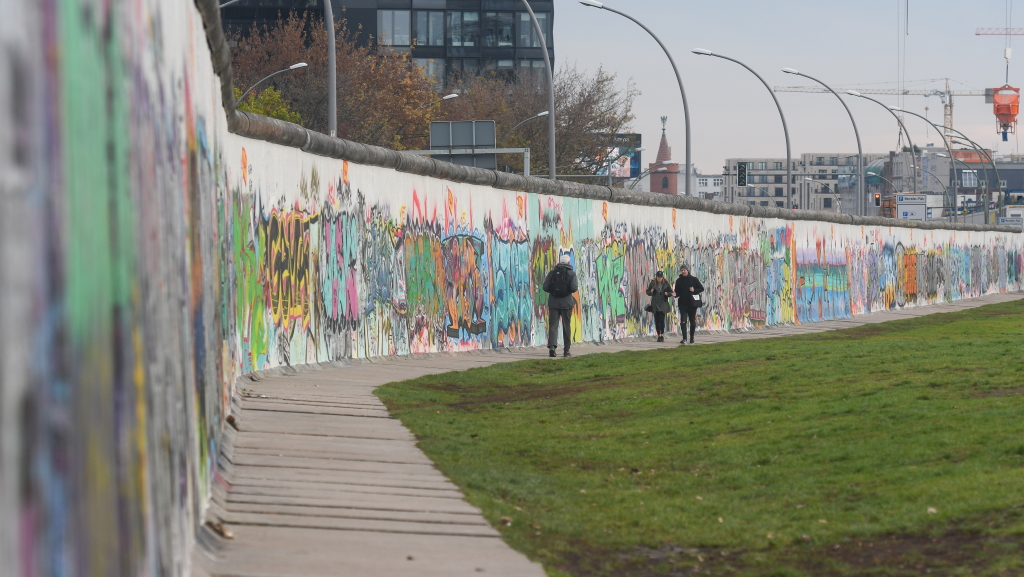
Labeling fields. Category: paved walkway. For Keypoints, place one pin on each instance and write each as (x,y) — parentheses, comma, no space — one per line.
(319,481)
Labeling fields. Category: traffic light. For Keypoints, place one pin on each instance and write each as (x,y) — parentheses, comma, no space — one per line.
(878,199)
(741,174)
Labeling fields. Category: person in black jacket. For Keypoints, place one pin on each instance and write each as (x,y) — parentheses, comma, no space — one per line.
(561,285)
(688,287)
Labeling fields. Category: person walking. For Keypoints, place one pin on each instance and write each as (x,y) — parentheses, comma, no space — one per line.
(688,288)
(560,284)
(660,292)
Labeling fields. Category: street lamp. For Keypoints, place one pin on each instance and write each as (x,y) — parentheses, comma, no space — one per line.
(332,71)
(551,89)
(945,190)
(440,100)
(860,151)
(538,115)
(891,110)
(679,79)
(839,201)
(645,173)
(952,163)
(982,155)
(785,129)
(945,141)
(267,77)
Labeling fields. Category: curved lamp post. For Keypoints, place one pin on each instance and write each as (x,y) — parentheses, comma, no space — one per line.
(945,190)
(551,89)
(952,163)
(913,155)
(945,141)
(679,80)
(985,155)
(538,115)
(645,173)
(229,3)
(839,201)
(267,77)
(785,129)
(860,151)
(440,100)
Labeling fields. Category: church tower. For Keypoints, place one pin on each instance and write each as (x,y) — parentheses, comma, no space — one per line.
(664,172)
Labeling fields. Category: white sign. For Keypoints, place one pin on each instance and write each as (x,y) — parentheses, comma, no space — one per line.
(910,211)
(912,199)
(1011,221)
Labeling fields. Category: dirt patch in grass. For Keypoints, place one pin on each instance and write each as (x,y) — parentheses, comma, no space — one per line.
(518,396)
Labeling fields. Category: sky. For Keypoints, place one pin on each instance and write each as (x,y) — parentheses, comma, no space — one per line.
(852,44)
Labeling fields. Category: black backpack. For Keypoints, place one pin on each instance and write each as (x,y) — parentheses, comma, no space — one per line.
(560,282)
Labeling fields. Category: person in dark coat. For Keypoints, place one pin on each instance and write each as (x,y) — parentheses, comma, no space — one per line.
(688,287)
(660,292)
(560,306)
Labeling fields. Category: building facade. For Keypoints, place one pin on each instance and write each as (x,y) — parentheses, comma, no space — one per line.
(708,186)
(820,181)
(443,36)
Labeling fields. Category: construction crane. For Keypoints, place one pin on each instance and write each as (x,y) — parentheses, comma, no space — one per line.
(945,95)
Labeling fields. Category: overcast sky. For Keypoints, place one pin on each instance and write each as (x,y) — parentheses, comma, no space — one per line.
(846,44)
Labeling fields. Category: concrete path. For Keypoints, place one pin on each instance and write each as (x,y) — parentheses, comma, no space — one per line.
(319,481)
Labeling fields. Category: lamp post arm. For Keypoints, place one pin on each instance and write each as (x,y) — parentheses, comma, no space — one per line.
(860,151)
(551,89)
(913,155)
(264,79)
(229,3)
(785,128)
(949,150)
(981,151)
(682,91)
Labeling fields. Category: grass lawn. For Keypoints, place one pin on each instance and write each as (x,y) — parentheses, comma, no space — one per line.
(889,449)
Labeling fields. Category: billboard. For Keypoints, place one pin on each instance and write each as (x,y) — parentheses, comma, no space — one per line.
(624,155)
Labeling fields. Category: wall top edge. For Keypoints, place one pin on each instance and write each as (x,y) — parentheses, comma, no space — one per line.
(275,131)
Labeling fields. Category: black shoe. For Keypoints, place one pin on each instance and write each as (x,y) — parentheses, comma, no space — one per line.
(682,342)
(661,339)
(567,354)
(551,353)
(691,341)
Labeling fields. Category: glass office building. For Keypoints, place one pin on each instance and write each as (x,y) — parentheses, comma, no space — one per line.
(443,36)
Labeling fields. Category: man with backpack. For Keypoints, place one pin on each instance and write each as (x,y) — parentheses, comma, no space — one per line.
(560,285)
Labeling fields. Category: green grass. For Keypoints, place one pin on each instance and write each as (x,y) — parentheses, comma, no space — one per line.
(808,455)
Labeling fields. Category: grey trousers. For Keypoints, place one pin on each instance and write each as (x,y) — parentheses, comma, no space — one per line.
(553,316)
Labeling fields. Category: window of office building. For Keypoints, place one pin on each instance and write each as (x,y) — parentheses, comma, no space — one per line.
(718,182)
(820,160)
(777,179)
(826,203)
(432,67)
(498,28)
(528,64)
(849,160)
(751,202)
(702,182)
(429,28)
(468,66)
(763,191)
(778,191)
(762,165)
(970,179)
(393,27)
(778,166)
(499,66)
(464,29)
(764,203)
(762,178)
(528,34)
(833,160)
(778,203)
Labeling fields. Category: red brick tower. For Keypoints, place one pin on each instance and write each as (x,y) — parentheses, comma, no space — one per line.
(664,172)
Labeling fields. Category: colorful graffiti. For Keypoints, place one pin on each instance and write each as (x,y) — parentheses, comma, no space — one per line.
(148,258)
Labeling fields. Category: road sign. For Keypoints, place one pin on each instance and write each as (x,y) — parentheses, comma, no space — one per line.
(1011,221)
(912,199)
(911,211)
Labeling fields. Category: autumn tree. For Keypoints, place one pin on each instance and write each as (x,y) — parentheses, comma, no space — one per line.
(384,98)
(381,94)
(270,103)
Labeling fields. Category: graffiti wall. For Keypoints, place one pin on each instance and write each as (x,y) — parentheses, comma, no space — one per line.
(148,258)
(336,260)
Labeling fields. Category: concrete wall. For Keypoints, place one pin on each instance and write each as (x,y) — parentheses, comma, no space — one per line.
(155,245)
